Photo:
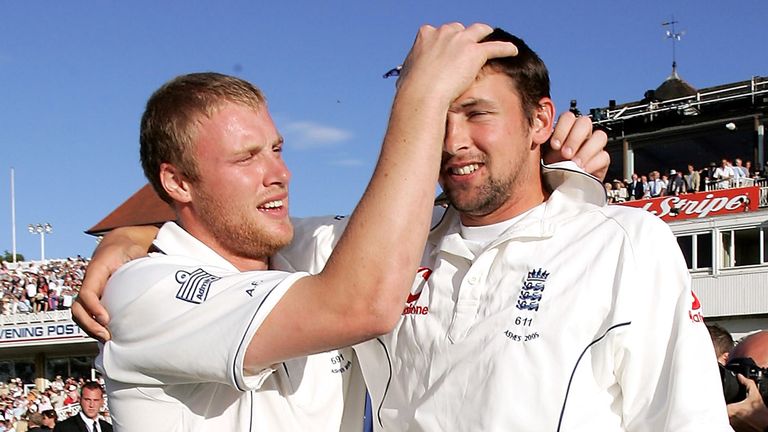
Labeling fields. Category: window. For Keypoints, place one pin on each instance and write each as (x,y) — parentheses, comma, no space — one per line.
(704,250)
(23,368)
(56,366)
(686,246)
(741,247)
(75,367)
(697,250)
(765,242)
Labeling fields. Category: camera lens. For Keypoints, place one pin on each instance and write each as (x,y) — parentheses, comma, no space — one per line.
(733,390)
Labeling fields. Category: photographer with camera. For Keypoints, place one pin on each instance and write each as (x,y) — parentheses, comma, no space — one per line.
(750,357)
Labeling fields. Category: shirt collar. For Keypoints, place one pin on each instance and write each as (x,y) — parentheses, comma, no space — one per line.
(88,421)
(567,182)
(174,240)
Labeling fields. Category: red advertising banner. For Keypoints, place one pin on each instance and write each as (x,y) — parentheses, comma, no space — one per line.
(701,204)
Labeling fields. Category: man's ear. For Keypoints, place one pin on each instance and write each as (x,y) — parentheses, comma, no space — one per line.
(176,185)
(543,121)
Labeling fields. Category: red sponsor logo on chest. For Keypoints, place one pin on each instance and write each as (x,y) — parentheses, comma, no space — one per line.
(422,275)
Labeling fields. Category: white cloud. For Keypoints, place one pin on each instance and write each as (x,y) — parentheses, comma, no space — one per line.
(311,135)
(348,162)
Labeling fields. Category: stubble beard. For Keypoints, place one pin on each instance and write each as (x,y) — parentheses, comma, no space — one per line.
(235,228)
(485,198)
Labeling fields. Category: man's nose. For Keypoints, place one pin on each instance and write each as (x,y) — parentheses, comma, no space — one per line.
(277,173)
(457,137)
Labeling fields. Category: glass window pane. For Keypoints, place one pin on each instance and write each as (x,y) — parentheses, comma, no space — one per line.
(80,367)
(726,248)
(747,247)
(25,369)
(56,366)
(6,371)
(704,250)
(765,244)
(686,246)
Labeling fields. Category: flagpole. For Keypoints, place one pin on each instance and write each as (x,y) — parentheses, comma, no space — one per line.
(13,216)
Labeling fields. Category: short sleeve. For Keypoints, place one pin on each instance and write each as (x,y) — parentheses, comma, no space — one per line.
(668,370)
(176,324)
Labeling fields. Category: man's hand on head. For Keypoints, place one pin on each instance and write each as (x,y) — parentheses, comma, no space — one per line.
(116,248)
(444,61)
(574,139)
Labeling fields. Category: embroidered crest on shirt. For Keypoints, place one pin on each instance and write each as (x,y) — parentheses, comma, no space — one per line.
(195,285)
(422,275)
(528,303)
(533,287)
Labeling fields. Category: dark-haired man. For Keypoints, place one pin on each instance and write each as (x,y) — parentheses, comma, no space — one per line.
(91,402)
(536,307)
(722,341)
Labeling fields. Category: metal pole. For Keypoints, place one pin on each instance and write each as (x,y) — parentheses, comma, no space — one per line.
(761,147)
(629,158)
(42,246)
(13,217)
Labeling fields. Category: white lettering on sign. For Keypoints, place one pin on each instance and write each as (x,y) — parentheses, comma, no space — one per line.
(31,332)
(700,205)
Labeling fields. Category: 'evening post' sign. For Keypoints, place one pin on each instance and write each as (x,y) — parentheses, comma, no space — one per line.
(40,333)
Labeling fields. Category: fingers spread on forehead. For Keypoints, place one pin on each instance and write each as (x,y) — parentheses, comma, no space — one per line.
(479,30)
(493,49)
(498,49)
(457,26)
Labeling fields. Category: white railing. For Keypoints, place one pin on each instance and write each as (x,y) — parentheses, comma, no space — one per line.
(742,182)
(734,182)
(756,86)
(763,197)
(36,317)
(67,411)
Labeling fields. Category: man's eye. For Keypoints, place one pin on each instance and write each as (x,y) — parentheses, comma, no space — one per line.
(246,158)
(473,114)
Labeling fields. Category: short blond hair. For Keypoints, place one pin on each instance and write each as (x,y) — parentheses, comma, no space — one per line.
(170,120)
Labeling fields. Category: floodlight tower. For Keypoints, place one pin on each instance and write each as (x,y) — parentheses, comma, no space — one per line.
(42,230)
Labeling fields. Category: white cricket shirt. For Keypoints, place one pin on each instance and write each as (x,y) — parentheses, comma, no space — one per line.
(579,317)
(181,321)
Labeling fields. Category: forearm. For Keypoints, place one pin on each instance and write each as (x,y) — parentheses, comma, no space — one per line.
(118,247)
(384,240)
(360,292)
(133,240)
(378,254)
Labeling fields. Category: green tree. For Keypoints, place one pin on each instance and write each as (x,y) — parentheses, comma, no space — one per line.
(8,257)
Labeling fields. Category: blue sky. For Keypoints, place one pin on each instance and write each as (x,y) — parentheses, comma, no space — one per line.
(74,77)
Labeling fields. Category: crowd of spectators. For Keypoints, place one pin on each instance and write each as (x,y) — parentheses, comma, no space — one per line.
(40,287)
(21,403)
(725,175)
